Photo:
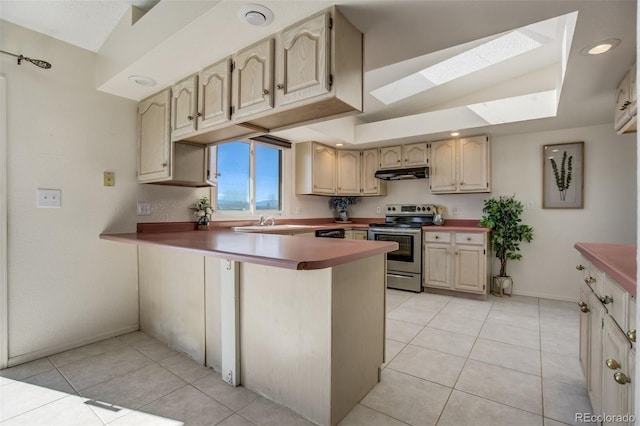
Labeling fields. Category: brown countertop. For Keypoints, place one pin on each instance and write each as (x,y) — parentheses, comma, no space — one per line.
(283,251)
(461,225)
(616,260)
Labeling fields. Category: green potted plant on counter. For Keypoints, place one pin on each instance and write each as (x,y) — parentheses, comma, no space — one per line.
(340,205)
(503,216)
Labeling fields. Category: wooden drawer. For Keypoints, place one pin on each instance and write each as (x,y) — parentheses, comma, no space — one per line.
(616,301)
(470,237)
(437,237)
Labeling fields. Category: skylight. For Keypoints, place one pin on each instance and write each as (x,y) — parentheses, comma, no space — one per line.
(480,57)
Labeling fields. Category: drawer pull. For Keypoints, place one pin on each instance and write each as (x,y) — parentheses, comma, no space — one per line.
(584,309)
(589,280)
(631,334)
(621,378)
(613,364)
(437,237)
(468,238)
(580,268)
(606,300)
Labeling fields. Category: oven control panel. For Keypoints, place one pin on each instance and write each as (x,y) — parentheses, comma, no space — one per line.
(410,209)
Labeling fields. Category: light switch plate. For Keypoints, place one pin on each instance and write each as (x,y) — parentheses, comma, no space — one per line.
(49,198)
(109,179)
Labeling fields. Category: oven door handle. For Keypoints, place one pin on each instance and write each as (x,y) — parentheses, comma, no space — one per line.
(396,231)
(407,277)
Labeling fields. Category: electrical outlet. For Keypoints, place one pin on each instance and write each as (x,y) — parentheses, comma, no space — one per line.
(455,211)
(109,179)
(378,210)
(48,198)
(143,209)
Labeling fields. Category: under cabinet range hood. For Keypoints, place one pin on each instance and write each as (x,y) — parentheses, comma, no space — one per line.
(401,174)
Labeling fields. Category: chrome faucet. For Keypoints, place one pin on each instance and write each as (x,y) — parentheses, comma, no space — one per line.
(262,221)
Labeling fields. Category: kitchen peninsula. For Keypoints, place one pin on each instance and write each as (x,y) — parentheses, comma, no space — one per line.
(298,320)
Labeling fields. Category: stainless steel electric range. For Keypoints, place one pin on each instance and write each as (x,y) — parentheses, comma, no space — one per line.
(403,224)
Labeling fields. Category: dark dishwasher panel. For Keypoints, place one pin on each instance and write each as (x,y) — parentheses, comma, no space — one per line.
(330,233)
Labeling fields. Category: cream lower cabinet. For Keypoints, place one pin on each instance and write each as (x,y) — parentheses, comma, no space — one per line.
(456,261)
(607,339)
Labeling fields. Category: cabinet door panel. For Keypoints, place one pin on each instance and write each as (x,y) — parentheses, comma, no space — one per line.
(154,137)
(415,155)
(252,85)
(474,161)
(214,92)
(594,382)
(437,264)
(622,113)
(584,330)
(615,347)
(390,157)
(348,172)
(469,267)
(183,107)
(442,176)
(324,169)
(304,61)
(368,168)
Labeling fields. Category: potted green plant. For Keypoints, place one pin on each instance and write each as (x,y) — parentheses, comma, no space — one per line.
(503,216)
(340,205)
(202,210)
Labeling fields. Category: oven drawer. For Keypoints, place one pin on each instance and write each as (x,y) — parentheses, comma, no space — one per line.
(470,238)
(437,237)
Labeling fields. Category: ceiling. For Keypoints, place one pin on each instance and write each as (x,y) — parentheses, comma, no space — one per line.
(401,37)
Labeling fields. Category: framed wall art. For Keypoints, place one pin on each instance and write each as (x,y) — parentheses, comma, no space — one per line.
(563,176)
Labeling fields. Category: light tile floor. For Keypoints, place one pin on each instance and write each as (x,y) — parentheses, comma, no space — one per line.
(449,361)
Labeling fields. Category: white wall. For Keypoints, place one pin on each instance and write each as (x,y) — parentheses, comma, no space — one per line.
(609,214)
(66,286)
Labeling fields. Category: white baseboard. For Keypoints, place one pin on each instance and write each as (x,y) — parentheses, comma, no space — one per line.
(31,356)
(546,296)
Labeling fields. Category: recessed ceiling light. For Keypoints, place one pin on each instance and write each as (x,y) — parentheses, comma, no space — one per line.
(455,133)
(339,144)
(142,80)
(600,47)
(255,14)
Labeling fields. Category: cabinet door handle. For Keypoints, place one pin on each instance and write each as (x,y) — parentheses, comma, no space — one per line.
(584,309)
(589,280)
(468,238)
(189,117)
(631,334)
(164,164)
(280,86)
(621,378)
(581,304)
(606,300)
(457,253)
(580,267)
(612,364)
(199,114)
(265,92)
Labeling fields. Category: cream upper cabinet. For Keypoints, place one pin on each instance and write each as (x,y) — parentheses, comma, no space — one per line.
(442,174)
(253,79)
(348,172)
(154,137)
(368,167)
(460,165)
(303,67)
(625,116)
(415,155)
(184,107)
(214,95)
(315,169)
(390,157)
(456,261)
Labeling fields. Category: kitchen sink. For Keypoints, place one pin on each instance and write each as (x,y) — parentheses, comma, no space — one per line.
(267,228)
